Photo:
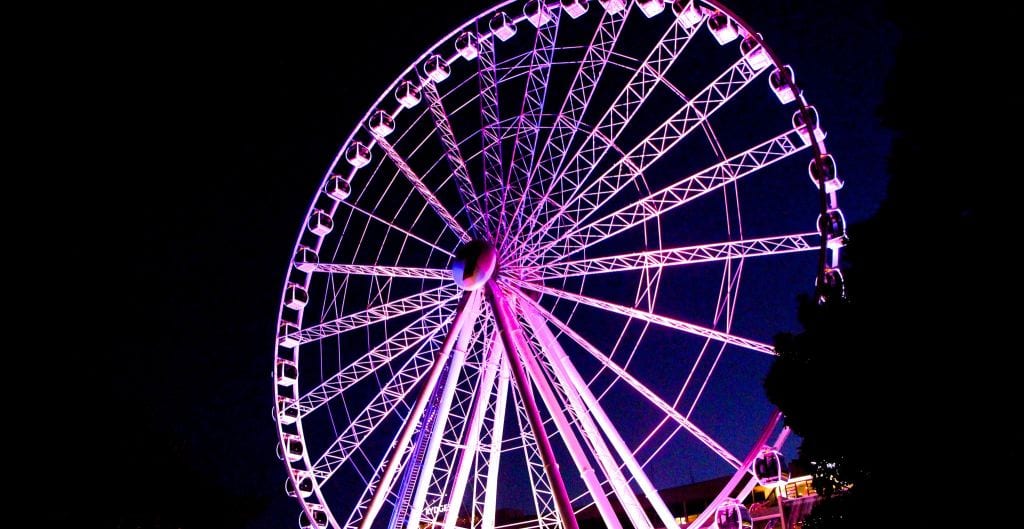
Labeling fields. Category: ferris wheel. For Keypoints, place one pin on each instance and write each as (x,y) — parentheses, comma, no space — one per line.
(519,284)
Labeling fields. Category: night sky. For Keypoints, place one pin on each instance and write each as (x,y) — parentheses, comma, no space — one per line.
(222,127)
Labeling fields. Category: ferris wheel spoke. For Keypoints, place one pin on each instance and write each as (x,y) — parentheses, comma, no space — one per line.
(657,259)
(423,190)
(678,194)
(524,143)
(397,228)
(692,115)
(577,98)
(383,271)
(455,161)
(399,307)
(564,184)
(420,333)
(702,253)
(464,316)
(651,317)
(383,404)
(490,130)
(638,386)
(587,410)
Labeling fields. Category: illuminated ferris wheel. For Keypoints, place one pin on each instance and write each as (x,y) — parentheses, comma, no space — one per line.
(519,284)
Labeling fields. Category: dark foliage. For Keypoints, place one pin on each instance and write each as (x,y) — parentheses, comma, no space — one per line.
(892,390)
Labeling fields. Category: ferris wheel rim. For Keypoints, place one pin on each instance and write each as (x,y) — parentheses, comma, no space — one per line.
(445,40)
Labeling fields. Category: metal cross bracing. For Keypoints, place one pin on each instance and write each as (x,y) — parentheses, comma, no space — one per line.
(701,253)
(524,143)
(562,184)
(490,133)
(678,194)
(651,317)
(399,307)
(570,115)
(694,113)
(421,333)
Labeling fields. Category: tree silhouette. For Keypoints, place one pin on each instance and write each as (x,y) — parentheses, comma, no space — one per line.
(890,389)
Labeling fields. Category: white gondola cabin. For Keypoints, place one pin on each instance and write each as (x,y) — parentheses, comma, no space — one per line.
(293,447)
(538,13)
(319,518)
(286,334)
(688,13)
(651,8)
(613,6)
(306,259)
(407,94)
(805,130)
(832,286)
(338,188)
(755,54)
(357,154)
(304,483)
(781,80)
(436,68)
(467,46)
(770,468)
(732,515)
(381,124)
(832,226)
(502,27)
(286,413)
(823,172)
(286,372)
(320,222)
(575,8)
(723,28)
(295,297)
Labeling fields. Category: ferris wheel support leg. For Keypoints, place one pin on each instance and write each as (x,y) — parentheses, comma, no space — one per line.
(472,436)
(466,305)
(494,452)
(579,456)
(583,399)
(514,341)
(458,359)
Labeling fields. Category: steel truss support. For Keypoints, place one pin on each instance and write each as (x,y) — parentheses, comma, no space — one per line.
(515,346)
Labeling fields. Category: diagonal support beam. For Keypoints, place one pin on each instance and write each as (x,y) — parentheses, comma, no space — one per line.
(456,162)
(677,127)
(423,190)
(515,346)
(587,411)
(528,127)
(577,99)
(467,307)
(565,182)
(490,132)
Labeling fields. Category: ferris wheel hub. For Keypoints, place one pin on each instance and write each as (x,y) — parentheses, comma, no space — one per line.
(474,264)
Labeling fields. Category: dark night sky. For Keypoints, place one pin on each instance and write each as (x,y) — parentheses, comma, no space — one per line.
(222,127)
